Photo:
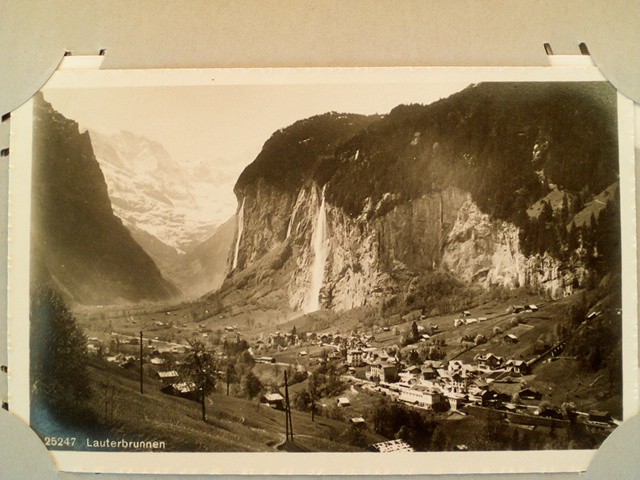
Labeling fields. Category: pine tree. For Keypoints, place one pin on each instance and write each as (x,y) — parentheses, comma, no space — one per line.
(564,210)
(415,335)
(546,213)
(572,237)
(251,385)
(59,378)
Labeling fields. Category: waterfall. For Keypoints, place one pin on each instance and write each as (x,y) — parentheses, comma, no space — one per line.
(293,216)
(319,246)
(240,228)
(299,201)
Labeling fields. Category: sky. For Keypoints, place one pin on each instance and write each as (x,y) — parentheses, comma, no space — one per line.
(228,124)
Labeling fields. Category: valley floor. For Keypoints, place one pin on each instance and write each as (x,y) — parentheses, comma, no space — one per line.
(237,424)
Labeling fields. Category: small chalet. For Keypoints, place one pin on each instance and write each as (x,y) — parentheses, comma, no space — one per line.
(384,372)
(434,363)
(343,402)
(428,373)
(549,413)
(488,361)
(504,391)
(266,360)
(184,390)
(510,338)
(170,375)
(357,421)
(517,366)
(274,400)
(479,396)
(530,394)
(129,362)
(455,365)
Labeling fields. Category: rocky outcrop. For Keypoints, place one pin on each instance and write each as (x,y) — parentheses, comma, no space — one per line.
(486,251)
(557,279)
(481,250)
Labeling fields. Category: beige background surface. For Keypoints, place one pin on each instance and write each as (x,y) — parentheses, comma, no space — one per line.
(197,33)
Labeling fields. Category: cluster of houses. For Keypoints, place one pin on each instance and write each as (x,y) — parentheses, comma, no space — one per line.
(488,380)
(331,339)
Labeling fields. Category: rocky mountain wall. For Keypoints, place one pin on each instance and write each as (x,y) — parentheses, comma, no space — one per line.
(487,252)
(380,207)
(369,259)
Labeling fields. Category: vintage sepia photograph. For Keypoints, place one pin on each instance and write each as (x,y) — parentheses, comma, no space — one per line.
(420,266)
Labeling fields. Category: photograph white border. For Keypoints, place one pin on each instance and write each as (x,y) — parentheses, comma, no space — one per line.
(312,463)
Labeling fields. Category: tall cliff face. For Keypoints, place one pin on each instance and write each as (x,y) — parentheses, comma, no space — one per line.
(482,250)
(262,224)
(487,252)
(77,242)
(387,202)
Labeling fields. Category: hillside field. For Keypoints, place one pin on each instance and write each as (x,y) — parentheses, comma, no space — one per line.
(233,424)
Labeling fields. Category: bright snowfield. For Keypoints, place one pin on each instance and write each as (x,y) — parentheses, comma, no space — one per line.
(178,201)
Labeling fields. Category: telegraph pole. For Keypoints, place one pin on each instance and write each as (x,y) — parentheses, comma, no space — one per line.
(141,362)
(312,392)
(288,422)
(286,409)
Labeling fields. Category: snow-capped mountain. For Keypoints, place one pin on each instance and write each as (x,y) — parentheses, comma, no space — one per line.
(179,202)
